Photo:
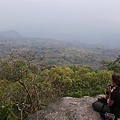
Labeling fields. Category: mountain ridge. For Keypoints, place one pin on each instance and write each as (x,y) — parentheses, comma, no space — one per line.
(10,34)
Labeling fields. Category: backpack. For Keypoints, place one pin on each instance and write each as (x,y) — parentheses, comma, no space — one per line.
(102,107)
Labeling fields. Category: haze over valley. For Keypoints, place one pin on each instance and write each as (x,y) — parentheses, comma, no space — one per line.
(88,21)
(56,52)
(83,32)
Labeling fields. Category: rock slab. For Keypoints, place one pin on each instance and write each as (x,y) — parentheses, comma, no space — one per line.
(68,108)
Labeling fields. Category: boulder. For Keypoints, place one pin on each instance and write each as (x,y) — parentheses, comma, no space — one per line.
(68,108)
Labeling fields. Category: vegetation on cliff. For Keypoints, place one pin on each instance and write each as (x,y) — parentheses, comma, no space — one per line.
(26,88)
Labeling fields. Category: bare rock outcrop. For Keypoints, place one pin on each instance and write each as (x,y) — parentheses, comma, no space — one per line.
(68,108)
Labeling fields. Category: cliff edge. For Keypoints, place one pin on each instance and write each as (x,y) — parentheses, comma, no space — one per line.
(68,108)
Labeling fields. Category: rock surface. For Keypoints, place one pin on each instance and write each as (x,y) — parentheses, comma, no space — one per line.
(68,108)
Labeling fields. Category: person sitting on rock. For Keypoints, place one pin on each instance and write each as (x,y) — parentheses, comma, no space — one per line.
(113,95)
(111,102)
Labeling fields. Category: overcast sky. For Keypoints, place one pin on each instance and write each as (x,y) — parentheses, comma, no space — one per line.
(62,19)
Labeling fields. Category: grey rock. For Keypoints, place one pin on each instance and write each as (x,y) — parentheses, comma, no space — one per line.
(68,108)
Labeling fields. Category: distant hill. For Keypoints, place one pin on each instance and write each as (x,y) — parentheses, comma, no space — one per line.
(10,34)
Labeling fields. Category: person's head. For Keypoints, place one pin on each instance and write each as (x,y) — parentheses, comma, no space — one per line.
(116,79)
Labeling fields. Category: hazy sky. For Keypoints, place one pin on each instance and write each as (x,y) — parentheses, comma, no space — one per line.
(62,19)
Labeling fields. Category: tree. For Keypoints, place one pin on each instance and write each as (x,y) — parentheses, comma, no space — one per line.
(112,65)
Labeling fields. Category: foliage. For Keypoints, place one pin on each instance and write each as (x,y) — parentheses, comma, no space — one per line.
(90,83)
(26,88)
(112,65)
